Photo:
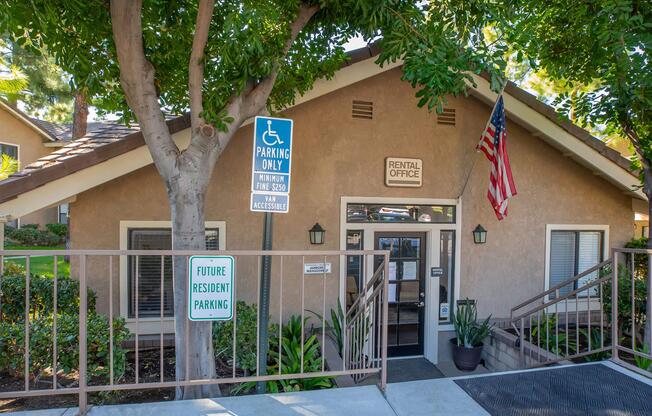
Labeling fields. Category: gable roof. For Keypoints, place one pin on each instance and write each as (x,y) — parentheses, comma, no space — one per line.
(114,140)
(30,122)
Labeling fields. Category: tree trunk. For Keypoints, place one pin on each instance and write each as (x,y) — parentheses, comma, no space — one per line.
(79,116)
(186,196)
(647,189)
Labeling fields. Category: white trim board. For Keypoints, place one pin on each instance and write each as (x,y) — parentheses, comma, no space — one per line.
(151,325)
(28,122)
(573,305)
(432,325)
(17,146)
(553,134)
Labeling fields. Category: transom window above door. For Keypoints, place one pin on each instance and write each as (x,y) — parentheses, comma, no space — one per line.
(392,213)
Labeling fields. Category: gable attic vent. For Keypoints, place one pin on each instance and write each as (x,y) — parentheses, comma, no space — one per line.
(362,109)
(447,116)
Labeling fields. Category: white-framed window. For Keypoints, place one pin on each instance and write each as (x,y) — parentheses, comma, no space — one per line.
(153,235)
(573,249)
(62,213)
(10,150)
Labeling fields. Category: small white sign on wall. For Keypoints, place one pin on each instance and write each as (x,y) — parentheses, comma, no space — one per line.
(316,268)
(444,310)
(403,172)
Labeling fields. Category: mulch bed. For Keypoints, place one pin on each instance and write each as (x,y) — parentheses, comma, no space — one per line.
(149,371)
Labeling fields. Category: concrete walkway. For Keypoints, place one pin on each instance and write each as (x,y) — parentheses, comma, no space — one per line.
(413,398)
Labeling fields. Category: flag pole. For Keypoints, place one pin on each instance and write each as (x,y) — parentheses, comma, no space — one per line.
(477,150)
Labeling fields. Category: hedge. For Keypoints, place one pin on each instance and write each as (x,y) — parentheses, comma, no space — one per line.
(41,291)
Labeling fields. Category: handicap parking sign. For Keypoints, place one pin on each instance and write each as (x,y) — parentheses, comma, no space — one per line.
(272,164)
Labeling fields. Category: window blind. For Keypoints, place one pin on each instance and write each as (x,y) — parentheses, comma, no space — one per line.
(571,253)
(589,254)
(149,271)
(562,259)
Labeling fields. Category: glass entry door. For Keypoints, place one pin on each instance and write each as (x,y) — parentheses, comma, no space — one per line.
(407,291)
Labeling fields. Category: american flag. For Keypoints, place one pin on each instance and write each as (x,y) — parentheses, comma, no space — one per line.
(493,145)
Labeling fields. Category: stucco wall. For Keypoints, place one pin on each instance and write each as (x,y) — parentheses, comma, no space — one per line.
(41,217)
(335,155)
(16,132)
(30,148)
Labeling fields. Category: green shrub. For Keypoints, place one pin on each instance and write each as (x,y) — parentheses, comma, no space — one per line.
(290,359)
(13,269)
(60,230)
(246,338)
(32,236)
(12,346)
(30,226)
(41,293)
(25,235)
(548,335)
(625,324)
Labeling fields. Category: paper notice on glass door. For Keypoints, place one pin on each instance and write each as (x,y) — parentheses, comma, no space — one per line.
(409,270)
(391,296)
(392,270)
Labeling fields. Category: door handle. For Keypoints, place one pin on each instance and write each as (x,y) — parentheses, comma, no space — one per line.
(420,304)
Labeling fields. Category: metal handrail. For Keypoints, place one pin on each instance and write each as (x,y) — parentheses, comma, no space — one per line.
(559,286)
(366,287)
(563,298)
(77,252)
(591,306)
(369,354)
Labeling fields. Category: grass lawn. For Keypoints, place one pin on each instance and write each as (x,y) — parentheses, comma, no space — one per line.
(42,264)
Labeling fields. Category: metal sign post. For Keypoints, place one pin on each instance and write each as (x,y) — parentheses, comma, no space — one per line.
(270,192)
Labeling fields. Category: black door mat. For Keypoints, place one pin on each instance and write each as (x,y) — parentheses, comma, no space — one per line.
(576,390)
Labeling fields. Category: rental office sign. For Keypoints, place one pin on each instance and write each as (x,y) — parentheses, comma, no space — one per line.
(271,165)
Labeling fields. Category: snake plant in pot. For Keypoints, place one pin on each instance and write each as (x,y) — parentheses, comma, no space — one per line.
(469,334)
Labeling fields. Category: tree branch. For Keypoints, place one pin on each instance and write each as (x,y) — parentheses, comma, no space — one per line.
(137,80)
(196,64)
(256,99)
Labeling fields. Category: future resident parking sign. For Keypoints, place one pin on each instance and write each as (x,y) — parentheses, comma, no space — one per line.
(272,164)
(210,288)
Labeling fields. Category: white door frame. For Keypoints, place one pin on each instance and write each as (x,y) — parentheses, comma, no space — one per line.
(431,315)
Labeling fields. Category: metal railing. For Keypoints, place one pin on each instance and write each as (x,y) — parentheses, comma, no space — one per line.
(365,329)
(364,335)
(628,269)
(579,317)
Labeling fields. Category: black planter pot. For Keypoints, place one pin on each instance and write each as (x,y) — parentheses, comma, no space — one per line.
(466,359)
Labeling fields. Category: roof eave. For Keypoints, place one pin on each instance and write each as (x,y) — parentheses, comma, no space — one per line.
(27,121)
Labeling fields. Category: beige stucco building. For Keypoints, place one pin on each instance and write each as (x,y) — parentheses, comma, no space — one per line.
(27,140)
(575,200)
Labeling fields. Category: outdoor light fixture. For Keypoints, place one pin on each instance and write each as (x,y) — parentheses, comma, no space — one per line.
(316,234)
(479,235)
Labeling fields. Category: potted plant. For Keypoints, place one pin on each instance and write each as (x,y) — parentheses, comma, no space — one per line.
(469,334)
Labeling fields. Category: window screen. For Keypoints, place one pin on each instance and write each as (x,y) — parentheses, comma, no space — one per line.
(149,270)
(571,253)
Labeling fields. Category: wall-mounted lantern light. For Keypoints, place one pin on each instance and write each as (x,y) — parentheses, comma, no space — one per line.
(316,234)
(479,235)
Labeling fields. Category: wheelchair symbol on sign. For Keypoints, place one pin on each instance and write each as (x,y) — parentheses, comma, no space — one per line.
(275,139)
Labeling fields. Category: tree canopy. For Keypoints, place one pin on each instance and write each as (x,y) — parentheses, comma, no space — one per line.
(438,41)
(604,44)
(43,88)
